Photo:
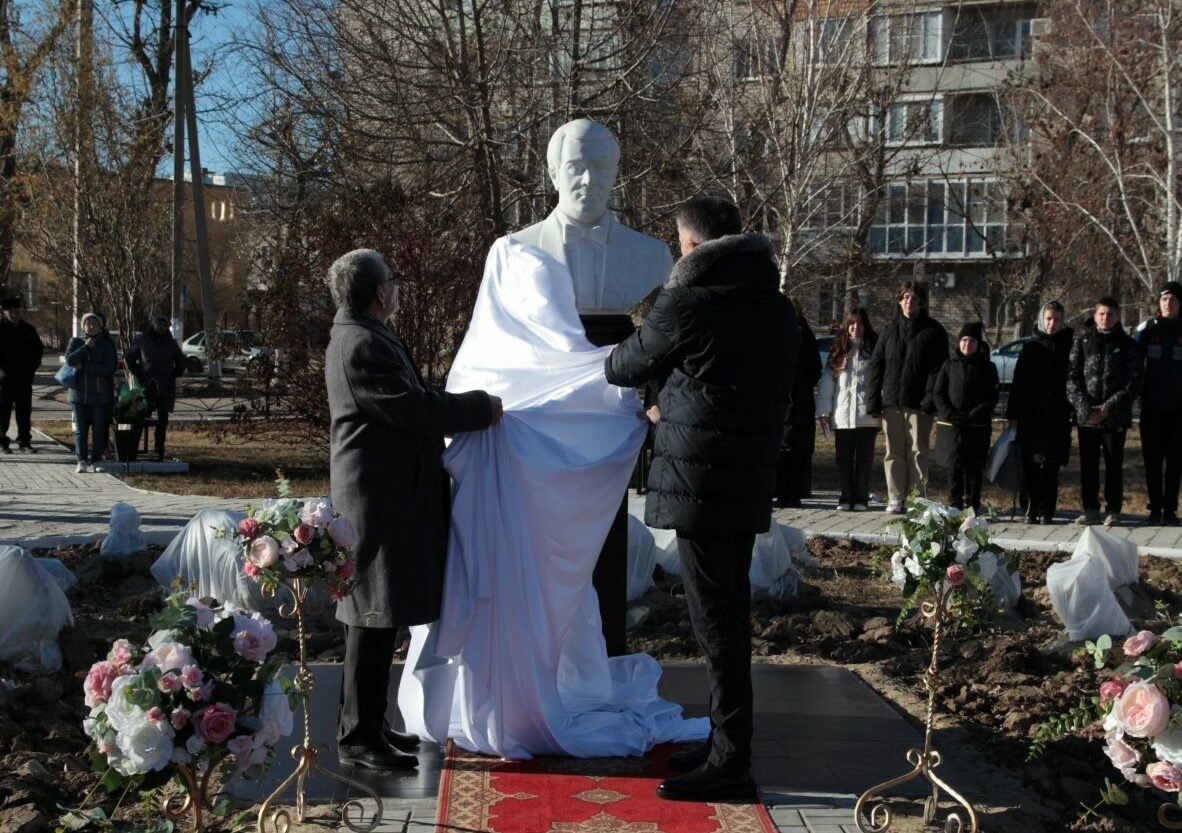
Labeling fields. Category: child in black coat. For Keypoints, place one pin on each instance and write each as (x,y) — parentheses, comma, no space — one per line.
(965,394)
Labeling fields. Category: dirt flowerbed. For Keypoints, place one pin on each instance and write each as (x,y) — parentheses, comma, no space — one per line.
(998,684)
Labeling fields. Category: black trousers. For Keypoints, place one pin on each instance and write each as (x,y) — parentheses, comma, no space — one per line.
(968,464)
(365,687)
(18,396)
(1161,442)
(854,449)
(610,580)
(161,427)
(718,594)
(1040,484)
(1094,442)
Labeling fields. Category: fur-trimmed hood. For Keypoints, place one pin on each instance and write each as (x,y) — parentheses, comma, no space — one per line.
(697,268)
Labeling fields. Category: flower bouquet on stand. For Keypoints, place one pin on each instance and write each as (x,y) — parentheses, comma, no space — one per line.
(201,698)
(949,568)
(293,546)
(1137,713)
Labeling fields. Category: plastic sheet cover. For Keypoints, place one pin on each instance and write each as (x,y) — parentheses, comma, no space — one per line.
(200,556)
(33,609)
(516,666)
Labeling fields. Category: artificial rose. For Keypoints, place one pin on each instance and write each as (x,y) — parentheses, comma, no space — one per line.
(253,637)
(155,713)
(248,528)
(898,568)
(965,549)
(194,745)
(264,551)
(166,654)
(1139,643)
(316,512)
(1111,689)
(121,712)
(180,718)
(343,533)
(98,682)
(191,676)
(169,683)
(1167,745)
(122,652)
(1120,753)
(215,722)
(240,747)
(1143,711)
(1165,776)
(304,533)
(956,574)
(250,569)
(146,745)
(972,522)
(346,569)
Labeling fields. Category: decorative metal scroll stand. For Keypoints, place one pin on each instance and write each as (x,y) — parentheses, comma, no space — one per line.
(307,754)
(196,799)
(923,760)
(1169,816)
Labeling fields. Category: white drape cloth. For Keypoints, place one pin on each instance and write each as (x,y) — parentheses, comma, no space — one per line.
(517,666)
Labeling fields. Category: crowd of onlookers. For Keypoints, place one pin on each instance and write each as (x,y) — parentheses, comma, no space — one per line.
(906,380)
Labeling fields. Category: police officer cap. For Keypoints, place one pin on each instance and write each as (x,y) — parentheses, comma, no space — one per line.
(11,303)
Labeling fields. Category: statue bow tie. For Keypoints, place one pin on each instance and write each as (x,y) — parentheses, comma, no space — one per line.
(573,233)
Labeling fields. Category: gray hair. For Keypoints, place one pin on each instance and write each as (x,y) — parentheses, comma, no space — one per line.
(1054,304)
(592,131)
(354,279)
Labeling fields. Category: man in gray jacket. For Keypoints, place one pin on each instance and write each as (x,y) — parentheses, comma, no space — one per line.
(387,478)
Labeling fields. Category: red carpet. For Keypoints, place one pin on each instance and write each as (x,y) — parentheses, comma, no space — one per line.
(577,795)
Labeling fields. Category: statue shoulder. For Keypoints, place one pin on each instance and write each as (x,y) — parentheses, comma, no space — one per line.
(530,235)
(645,245)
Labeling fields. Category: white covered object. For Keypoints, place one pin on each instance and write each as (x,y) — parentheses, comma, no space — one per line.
(33,609)
(198,555)
(60,573)
(125,537)
(642,558)
(1082,597)
(1118,555)
(517,666)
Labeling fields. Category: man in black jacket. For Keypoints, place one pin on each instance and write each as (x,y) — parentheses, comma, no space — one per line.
(724,340)
(20,356)
(902,372)
(1103,378)
(1160,340)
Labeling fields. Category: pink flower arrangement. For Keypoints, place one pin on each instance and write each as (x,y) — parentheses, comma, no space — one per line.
(288,539)
(199,692)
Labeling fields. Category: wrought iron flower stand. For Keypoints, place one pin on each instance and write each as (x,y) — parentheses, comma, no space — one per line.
(924,761)
(196,799)
(278,819)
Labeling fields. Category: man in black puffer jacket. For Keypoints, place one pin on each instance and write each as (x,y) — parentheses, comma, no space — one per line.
(965,394)
(902,371)
(1103,378)
(724,340)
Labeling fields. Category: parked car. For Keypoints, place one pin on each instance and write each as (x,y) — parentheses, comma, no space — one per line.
(237,352)
(1005,357)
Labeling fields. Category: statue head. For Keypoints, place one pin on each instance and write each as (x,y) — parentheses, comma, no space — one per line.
(582,158)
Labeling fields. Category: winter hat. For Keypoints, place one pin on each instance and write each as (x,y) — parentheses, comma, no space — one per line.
(11,303)
(158,317)
(1172,288)
(93,315)
(974,329)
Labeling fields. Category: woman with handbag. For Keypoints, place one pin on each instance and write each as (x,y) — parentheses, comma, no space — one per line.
(92,355)
(1038,405)
(841,407)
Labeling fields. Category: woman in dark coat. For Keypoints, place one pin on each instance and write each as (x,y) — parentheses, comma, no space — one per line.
(1039,406)
(157,362)
(965,394)
(794,472)
(92,355)
(387,478)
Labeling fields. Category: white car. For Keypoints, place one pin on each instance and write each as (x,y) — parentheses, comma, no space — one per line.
(237,353)
(1005,357)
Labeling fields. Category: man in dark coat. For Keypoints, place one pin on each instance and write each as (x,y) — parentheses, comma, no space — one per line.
(1160,340)
(1103,379)
(157,362)
(725,342)
(794,476)
(902,371)
(20,356)
(965,394)
(1038,404)
(387,478)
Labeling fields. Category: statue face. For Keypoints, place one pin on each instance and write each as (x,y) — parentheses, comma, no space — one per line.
(584,179)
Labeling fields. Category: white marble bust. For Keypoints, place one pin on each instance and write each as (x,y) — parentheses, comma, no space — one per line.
(613,267)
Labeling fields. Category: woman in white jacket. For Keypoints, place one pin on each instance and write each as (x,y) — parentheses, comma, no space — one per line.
(841,407)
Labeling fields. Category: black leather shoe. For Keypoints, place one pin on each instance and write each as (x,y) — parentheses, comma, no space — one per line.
(1154,519)
(708,783)
(1032,519)
(402,741)
(690,757)
(28,449)
(384,759)
(1169,519)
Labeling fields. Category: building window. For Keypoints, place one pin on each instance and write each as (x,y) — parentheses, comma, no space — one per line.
(985,34)
(918,121)
(221,210)
(24,284)
(831,206)
(974,119)
(598,41)
(831,40)
(907,38)
(756,58)
(937,218)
